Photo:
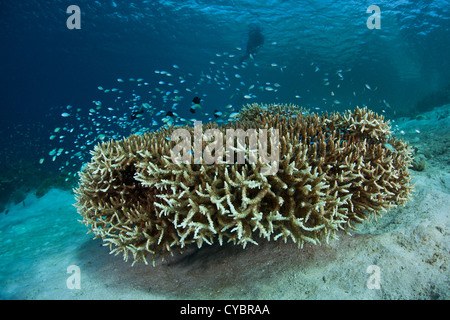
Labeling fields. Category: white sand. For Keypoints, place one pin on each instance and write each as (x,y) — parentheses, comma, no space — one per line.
(410,246)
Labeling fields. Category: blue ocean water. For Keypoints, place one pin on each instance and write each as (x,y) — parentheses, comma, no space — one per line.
(64,90)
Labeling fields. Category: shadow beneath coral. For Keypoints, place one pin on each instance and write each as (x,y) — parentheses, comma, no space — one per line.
(211,272)
(205,256)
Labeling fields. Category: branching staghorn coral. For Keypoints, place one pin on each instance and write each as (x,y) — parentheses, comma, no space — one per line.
(333,172)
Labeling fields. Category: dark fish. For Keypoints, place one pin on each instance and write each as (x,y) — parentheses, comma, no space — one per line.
(217,113)
(169,114)
(196,100)
(135,114)
(192,110)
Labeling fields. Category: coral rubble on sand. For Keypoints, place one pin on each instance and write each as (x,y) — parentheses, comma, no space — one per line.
(334,171)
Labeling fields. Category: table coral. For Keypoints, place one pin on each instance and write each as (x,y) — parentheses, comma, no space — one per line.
(333,172)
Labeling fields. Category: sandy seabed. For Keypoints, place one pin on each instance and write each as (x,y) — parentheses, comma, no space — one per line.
(403,255)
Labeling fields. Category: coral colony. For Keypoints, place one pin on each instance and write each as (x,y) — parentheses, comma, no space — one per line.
(333,172)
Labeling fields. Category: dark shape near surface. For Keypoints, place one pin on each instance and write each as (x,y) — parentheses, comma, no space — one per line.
(255,41)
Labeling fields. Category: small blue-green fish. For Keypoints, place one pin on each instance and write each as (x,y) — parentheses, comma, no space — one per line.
(389,147)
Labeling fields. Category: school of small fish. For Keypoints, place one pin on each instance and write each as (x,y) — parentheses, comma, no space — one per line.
(133,105)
